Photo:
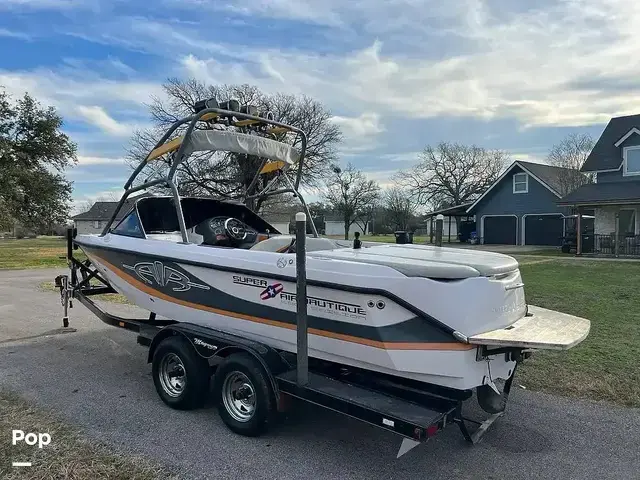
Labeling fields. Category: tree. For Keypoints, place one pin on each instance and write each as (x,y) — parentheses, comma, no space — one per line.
(319,211)
(229,175)
(33,156)
(350,194)
(451,174)
(570,154)
(399,208)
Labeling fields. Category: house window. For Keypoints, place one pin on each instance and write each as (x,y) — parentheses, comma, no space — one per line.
(631,160)
(520,183)
(627,222)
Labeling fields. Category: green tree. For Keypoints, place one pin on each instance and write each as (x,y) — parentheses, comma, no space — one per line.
(33,155)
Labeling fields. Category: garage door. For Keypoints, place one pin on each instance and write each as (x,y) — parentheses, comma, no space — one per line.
(500,230)
(543,230)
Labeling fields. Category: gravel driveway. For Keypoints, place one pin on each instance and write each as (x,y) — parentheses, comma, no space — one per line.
(98,378)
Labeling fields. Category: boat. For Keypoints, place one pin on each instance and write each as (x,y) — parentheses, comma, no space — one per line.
(449,317)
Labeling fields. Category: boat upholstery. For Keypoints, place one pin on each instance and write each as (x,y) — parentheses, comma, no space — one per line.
(428,261)
(280,243)
(176,237)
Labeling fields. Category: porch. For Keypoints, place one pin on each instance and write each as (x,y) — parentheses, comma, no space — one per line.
(607,230)
(616,230)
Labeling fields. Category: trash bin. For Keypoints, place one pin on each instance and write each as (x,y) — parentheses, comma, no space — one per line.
(401,237)
(410,235)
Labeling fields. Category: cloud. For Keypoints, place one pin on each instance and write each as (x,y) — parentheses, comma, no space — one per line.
(12,34)
(404,157)
(86,96)
(92,160)
(101,119)
(365,125)
(384,69)
(528,65)
(47,4)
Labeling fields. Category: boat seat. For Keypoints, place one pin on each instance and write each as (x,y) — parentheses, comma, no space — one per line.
(280,243)
(176,237)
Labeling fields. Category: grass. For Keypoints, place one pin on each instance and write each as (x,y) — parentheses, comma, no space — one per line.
(41,252)
(69,456)
(604,366)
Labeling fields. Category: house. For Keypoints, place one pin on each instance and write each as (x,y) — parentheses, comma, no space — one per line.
(280,222)
(95,219)
(615,197)
(334,226)
(521,206)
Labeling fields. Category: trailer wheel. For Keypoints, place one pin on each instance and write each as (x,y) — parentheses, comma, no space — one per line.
(243,395)
(180,375)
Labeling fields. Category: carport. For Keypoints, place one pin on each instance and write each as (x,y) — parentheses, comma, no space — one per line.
(457,212)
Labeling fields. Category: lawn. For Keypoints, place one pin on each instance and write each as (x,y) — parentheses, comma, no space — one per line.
(41,252)
(605,365)
(68,456)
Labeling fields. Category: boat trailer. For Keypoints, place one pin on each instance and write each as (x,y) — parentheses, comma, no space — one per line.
(414,410)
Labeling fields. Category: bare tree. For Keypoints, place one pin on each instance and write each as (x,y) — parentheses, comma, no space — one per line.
(84,206)
(350,194)
(400,208)
(570,154)
(451,174)
(229,175)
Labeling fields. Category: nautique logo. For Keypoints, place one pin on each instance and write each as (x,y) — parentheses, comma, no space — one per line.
(164,276)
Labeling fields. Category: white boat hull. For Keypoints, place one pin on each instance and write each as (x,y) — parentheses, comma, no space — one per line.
(374,318)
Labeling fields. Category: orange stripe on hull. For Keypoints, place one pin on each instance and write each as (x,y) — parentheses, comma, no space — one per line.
(314,331)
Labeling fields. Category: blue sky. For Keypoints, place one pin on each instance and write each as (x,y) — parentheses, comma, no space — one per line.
(397,75)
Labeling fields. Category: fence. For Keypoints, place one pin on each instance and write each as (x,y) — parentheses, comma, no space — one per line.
(606,244)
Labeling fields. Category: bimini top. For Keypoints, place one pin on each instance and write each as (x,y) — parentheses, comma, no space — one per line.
(230,141)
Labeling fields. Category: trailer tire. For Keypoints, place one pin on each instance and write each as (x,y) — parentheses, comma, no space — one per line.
(180,375)
(243,395)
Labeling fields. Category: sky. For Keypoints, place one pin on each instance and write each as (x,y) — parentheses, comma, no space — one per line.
(397,75)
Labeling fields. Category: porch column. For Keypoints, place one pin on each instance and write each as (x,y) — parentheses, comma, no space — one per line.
(449,228)
(431,230)
(616,235)
(579,232)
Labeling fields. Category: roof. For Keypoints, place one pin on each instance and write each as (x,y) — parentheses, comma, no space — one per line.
(104,210)
(604,193)
(100,211)
(547,175)
(455,211)
(605,154)
(550,174)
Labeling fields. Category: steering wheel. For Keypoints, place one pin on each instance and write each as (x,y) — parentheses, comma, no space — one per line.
(235,229)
